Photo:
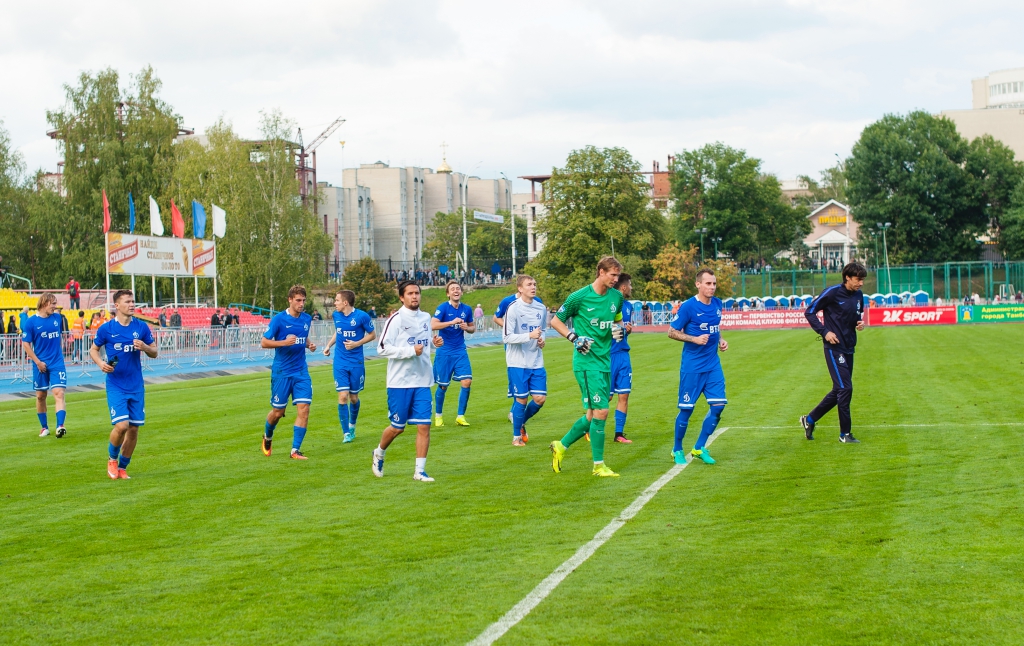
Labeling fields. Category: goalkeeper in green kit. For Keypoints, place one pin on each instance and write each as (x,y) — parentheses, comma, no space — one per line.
(594,311)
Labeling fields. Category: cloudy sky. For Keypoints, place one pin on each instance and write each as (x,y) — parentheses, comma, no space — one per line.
(513,87)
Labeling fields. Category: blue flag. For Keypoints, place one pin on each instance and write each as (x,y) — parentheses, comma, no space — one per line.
(131,214)
(198,219)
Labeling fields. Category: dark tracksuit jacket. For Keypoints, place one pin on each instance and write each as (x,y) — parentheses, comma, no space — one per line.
(841,310)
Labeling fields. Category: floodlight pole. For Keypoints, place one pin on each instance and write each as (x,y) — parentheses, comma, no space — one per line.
(717,240)
(885,246)
(701,231)
(508,203)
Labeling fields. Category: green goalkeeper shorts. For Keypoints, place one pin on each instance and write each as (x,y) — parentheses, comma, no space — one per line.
(594,387)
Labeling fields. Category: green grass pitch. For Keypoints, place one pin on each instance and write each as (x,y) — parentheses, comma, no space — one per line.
(913,536)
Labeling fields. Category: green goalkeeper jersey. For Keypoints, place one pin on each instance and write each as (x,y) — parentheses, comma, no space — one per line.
(592,315)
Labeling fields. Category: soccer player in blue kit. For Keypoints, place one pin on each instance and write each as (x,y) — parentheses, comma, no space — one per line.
(697,325)
(353,329)
(451,321)
(122,338)
(842,307)
(42,344)
(288,335)
(622,367)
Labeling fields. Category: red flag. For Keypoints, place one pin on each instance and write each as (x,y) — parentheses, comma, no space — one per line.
(106,212)
(177,223)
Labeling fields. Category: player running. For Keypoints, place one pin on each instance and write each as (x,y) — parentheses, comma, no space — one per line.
(698,325)
(288,336)
(593,310)
(42,343)
(452,320)
(842,307)
(523,335)
(406,342)
(499,320)
(122,338)
(622,367)
(353,329)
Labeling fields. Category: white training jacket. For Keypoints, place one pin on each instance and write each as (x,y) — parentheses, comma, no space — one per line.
(402,332)
(522,318)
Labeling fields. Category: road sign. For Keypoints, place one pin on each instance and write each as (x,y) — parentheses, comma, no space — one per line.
(488,217)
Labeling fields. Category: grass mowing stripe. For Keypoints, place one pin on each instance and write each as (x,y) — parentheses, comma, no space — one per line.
(496,630)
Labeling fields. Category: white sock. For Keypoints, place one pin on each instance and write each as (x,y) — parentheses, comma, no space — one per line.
(379,451)
(421,465)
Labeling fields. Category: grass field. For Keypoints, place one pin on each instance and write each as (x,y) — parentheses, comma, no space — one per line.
(913,536)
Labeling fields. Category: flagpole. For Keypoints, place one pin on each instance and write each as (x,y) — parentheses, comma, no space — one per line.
(106,263)
(154,290)
(197,289)
(215,291)
(175,290)
(133,286)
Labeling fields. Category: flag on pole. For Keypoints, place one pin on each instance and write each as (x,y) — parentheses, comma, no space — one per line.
(156,225)
(131,214)
(198,219)
(177,222)
(220,221)
(106,212)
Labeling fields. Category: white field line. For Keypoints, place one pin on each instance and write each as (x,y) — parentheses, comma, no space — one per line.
(545,587)
(797,426)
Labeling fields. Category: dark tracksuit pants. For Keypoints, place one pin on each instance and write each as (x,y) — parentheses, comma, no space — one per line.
(840,368)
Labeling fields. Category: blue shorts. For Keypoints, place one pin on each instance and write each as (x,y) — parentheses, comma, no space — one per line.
(622,373)
(300,388)
(349,378)
(409,405)
(454,366)
(54,377)
(711,384)
(127,406)
(528,381)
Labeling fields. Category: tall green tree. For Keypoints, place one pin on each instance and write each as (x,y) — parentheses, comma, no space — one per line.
(486,241)
(723,190)
(992,165)
(116,138)
(830,185)
(372,288)
(272,241)
(598,201)
(1011,235)
(913,172)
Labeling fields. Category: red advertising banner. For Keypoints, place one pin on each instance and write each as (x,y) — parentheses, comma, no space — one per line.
(945,315)
(765,319)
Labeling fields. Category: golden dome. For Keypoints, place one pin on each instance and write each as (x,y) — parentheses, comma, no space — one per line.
(444,167)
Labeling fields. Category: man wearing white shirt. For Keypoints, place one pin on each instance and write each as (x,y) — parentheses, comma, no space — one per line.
(523,335)
(406,341)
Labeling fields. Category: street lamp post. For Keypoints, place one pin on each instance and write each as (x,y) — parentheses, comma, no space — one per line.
(509,204)
(885,247)
(701,231)
(717,240)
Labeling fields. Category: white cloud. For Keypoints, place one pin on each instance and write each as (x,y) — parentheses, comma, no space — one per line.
(514,87)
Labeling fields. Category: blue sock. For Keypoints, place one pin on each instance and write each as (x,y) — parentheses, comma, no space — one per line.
(531,409)
(42,420)
(463,400)
(439,399)
(710,423)
(620,422)
(113,451)
(518,418)
(353,412)
(682,419)
(61,416)
(122,462)
(268,430)
(298,434)
(343,417)
(809,420)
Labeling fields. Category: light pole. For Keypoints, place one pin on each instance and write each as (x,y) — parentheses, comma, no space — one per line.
(508,203)
(885,247)
(717,240)
(701,231)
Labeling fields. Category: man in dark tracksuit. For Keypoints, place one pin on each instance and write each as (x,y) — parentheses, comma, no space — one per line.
(842,307)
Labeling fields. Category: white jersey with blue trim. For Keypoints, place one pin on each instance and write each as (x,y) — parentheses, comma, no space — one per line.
(403,331)
(521,318)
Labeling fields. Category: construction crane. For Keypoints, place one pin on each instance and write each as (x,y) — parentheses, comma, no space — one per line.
(306,172)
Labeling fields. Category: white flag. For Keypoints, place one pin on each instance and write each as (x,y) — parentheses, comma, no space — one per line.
(156,225)
(220,222)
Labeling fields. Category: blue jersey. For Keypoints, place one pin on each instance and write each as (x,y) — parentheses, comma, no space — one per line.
(696,319)
(44,335)
(289,361)
(350,328)
(627,317)
(119,341)
(508,300)
(454,337)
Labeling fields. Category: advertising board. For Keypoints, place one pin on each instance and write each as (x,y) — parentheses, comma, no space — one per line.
(763,319)
(159,256)
(991,313)
(945,315)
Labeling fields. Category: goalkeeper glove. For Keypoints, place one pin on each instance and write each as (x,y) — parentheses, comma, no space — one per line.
(582,343)
(618,332)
